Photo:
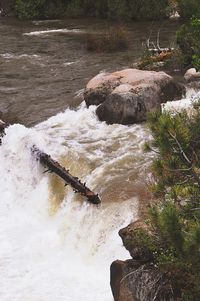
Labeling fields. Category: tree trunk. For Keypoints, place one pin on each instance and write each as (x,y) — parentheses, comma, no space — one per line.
(55,167)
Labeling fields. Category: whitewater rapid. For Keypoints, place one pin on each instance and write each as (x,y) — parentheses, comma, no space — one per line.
(54,245)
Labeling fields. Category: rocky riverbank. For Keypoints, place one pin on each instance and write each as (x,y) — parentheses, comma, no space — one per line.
(125,97)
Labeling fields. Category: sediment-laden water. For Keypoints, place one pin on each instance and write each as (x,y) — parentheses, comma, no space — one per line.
(54,245)
(45,64)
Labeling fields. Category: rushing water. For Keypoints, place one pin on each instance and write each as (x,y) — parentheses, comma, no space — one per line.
(55,246)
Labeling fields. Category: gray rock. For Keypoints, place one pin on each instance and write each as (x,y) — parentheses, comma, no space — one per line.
(126,96)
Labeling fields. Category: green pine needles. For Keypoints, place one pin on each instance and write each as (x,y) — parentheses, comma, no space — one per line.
(173,235)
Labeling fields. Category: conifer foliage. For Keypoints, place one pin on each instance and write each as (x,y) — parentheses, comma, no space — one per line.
(173,236)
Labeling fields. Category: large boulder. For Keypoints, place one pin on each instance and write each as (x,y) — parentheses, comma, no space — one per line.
(129,236)
(126,96)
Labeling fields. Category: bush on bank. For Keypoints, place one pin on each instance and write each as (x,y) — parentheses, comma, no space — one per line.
(173,235)
(188,39)
(117,9)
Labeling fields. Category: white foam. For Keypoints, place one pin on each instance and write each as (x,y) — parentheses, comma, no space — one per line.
(14,56)
(182,104)
(49,31)
(66,255)
(68,63)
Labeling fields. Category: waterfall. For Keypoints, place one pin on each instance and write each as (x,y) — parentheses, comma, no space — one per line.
(54,245)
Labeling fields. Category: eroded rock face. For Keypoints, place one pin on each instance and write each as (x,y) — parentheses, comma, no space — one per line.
(138,279)
(130,241)
(126,96)
(132,281)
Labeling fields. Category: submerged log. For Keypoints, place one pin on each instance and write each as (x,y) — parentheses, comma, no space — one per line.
(55,167)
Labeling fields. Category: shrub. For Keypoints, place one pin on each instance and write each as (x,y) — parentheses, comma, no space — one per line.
(114,39)
(188,39)
(29,9)
(112,9)
(174,222)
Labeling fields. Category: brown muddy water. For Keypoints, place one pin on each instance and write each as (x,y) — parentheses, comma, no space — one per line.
(54,245)
(45,64)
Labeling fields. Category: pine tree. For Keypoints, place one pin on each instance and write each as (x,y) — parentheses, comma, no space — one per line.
(173,235)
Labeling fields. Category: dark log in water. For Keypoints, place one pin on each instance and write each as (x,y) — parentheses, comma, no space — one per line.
(55,167)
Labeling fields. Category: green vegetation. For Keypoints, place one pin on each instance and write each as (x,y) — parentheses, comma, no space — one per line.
(188,39)
(117,9)
(172,235)
(30,9)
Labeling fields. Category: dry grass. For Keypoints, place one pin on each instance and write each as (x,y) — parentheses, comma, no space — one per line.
(114,39)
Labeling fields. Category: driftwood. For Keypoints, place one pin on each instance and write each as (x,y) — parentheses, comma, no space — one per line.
(156,49)
(55,167)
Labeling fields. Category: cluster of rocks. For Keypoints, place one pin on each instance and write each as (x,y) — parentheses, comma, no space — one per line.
(138,279)
(126,96)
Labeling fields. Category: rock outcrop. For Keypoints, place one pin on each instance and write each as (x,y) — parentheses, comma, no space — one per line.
(133,281)
(126,96)
(138,279)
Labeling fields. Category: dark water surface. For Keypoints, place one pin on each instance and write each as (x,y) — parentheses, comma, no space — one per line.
(44,73)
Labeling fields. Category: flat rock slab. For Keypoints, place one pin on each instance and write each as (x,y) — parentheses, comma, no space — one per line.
(126,96)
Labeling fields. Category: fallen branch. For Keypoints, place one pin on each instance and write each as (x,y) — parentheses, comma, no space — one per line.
(55,167)
(60,171)
(156,48)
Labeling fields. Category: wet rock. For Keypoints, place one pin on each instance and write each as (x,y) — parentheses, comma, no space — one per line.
(132,281)
(138,279)
(126,96)
(99,87)
(130,241)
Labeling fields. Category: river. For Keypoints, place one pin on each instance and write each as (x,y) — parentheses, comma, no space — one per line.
(54,245)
